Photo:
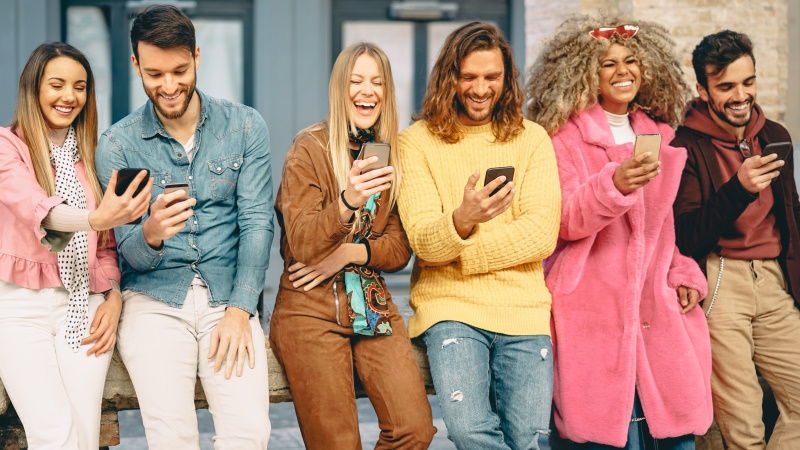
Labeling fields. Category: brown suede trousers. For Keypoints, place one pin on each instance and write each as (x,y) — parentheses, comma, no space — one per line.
(318,356)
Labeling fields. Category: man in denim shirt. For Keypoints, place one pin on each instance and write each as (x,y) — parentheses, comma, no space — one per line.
(193,268)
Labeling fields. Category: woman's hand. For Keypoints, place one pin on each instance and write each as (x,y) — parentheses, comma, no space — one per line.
(688,298)
(633,173)
(311,276)
(118,210)
(104,326)
(360,187)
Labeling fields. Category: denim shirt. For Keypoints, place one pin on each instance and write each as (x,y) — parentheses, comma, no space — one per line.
(228,238)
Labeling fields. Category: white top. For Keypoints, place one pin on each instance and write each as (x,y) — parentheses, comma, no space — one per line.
(189,148)
(620,128)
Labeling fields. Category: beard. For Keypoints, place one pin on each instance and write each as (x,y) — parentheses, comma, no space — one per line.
(181,110)
(477,116)
(734,122)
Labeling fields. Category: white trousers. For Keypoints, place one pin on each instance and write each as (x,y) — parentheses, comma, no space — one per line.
(56,392)
(165,350)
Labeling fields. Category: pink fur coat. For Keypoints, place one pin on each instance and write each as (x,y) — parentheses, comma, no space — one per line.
(617,324)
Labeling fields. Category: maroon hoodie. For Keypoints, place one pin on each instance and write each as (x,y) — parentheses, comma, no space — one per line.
(754,235)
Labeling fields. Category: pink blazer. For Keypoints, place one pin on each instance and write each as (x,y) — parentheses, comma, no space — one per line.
(24,261)
(616,320)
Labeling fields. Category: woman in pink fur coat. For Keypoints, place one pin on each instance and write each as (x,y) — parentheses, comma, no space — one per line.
(632,354)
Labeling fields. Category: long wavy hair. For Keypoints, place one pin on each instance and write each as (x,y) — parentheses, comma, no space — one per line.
(564,78)
(338,119)
(440,105)
(30,124)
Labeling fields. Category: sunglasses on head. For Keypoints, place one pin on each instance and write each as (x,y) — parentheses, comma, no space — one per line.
(624,31)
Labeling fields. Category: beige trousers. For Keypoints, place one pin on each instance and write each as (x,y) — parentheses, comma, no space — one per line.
(56,392)
(753,320)
(165,349)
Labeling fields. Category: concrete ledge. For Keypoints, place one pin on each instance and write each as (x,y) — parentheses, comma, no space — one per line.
(119,395)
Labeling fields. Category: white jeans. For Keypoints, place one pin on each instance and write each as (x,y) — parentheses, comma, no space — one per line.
(165,349)
(56,392)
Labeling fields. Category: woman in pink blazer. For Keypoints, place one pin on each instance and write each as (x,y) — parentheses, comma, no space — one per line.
(632,357)
(58,261)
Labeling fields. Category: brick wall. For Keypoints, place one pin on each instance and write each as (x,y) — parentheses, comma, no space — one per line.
(765,21)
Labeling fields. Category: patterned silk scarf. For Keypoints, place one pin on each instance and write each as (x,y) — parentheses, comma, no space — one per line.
(73,264)
(366,296)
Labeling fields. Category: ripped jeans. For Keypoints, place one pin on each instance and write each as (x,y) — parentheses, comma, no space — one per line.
(494,390)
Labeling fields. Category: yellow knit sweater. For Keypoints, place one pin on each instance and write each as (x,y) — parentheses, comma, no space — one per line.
(498,283)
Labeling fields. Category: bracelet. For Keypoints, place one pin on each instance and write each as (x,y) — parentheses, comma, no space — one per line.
(369,251)
(347,205)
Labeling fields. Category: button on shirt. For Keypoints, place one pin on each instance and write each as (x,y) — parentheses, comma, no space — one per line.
(226,242)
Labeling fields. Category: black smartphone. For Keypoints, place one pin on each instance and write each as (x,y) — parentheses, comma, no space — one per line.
(782,149)
(379,149)
(124,178)
(494,172)
(172,187)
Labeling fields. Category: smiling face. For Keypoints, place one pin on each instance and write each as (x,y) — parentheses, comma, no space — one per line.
(620,79)
(731,94)
(366,92)
(62,92)
(480,85)
(168,76)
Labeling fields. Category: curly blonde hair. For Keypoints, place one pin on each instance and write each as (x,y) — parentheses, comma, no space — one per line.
(564,78)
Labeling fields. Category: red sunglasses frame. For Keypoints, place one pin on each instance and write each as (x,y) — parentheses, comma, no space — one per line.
(624,31)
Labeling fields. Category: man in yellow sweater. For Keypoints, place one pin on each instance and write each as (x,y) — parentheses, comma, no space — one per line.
(477,288)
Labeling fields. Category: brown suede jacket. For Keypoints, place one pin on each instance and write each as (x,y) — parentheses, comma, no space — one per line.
(307,209)
(707,205)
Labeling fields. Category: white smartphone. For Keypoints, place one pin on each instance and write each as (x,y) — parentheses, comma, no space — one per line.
(647,143)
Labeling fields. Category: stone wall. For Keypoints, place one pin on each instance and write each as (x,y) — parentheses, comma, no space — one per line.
(765,21)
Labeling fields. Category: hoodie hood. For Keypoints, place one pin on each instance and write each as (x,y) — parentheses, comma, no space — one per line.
(698,118)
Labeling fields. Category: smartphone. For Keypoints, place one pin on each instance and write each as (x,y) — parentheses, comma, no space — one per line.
(172,187)
(381,149)
(125,178)
(494,172)
(647,143)
(782,149)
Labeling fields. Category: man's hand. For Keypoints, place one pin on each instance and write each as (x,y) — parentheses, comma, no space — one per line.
(478,207)
(688,298)
(756,172)
(633,173)
(311,276)
(166,221)
(104,326)
(232,337)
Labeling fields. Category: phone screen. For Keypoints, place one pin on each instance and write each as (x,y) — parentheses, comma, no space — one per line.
(782,149)
(647,143)
(494,172)
(381,149)
(172,187)
(125,177)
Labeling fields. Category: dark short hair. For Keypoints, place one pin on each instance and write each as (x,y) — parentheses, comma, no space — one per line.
(164,26)
(717,51)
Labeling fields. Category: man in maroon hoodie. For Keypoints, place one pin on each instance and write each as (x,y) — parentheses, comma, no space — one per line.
(738,216)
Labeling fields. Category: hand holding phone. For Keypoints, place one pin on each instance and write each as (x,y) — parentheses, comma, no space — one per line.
(474,208)
(640,168)
(369,175)
(126,203)
(647,143)
(168,214)
(782,149)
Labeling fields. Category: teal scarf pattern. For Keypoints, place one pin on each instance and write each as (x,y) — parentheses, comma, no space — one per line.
(367,300)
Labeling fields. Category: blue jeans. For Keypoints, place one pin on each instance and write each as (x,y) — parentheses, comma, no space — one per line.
(494,390)
(639,437)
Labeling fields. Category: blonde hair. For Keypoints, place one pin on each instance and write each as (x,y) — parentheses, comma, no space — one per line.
(386,127)
(31,126)
(564,78)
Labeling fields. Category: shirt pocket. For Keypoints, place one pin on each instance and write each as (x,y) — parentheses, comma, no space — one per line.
(224,173)
(160,180)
